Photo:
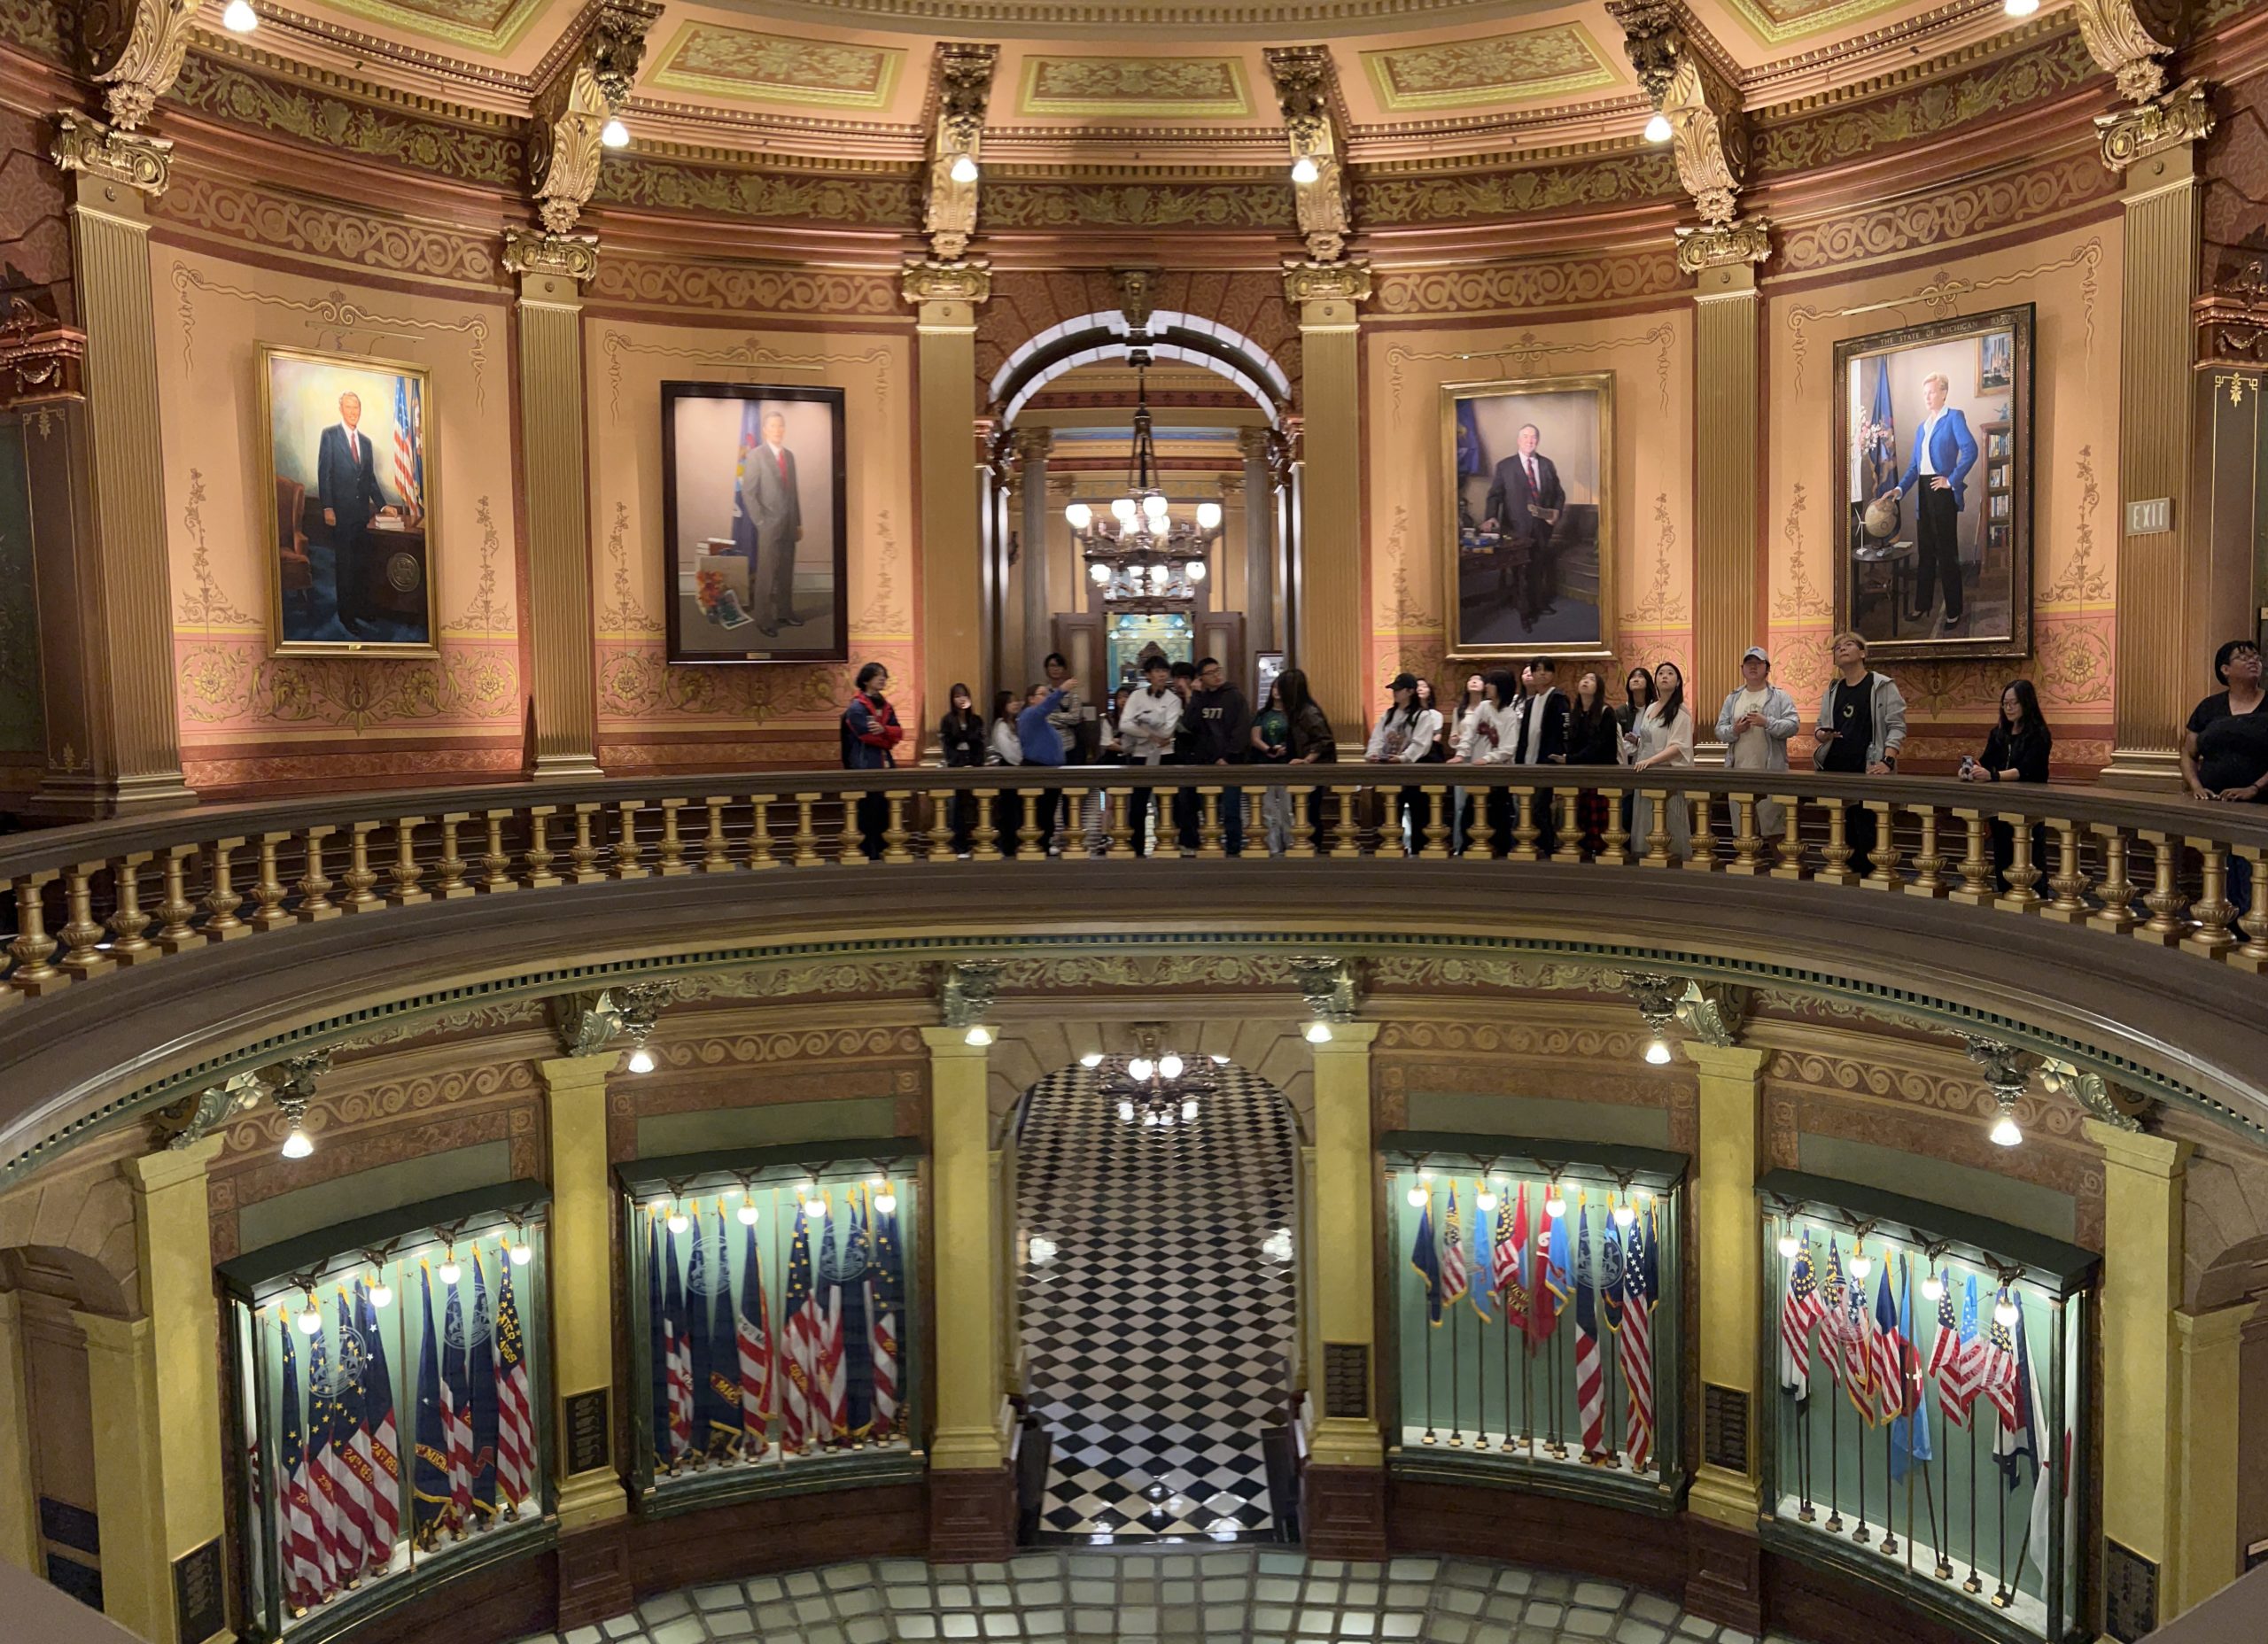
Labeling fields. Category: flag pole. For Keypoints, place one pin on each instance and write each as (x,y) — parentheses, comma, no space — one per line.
(1941,1536)
(1456,1433)
(1972,1585)
(1431,1437)
(1889,1490)
(1834,1452)
(1505,1318)
(1480,1368)
(1862,1535)
(2001,1586)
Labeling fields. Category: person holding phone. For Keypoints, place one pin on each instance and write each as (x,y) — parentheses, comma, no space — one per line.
(2016,750)
(1860,729)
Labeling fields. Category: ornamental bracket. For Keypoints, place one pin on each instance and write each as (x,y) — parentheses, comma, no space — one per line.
(1137,294)
(2115,1105)
(1709,138)
(967,990)
(1714,1012)
(2122,44)
(933,280)
(587,88)
(41,359)
(2003,1065)
(2182,115)
(134,51)
(112,153)
(1329,984)
(1744,242)
(2232,318)
(961,89)
(567,256)
(584,1023)
(196,1116)
(1306,91)
(1657,998)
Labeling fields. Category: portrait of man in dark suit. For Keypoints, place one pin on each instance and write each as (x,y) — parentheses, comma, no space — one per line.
(1524,502)
(347,484)
(779,519)
(1525,536)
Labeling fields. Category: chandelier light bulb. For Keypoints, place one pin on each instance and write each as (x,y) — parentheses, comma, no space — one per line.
(238,18)
(679,1222)
(1170,1066)
(2004,1310)
(980,1035)
(1208,516)
(1657,128)
(1194,570)
(2006,1132)
(297,1144)
(1189,1110)
(449,1272)
(381,1294)
(615,134)
(1080,515)
(964,168)
(1789,1247)
(1624,1216)
(1099,574)
(1092,1058)
(1317,1033)
(521,1255)
(1141,1067)
(1860,1265)
(1304,170)
(2020,8)
(1126,1112)
(886,1202)
(1219,1061)
(1555,1203)
(1155,505)
(659,1207)
(1484,1200)
(1933,1288)
(310,1320)
(642,1060)
(1657,1051)
(1418,1196)
(1043,1248)
(1123,510)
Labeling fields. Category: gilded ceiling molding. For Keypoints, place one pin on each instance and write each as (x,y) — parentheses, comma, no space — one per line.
(2232,319)
(1708,134)
(1553,283)
(1137,205)
(1305,91)
(587,88)
(739,289)
(331,234)
(2124,45)
(1385,200)
(134,49)
(960,81)
(1946,215)
(39,359)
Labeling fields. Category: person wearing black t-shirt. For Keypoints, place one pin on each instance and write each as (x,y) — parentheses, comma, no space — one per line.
(1862,728)
(2225,746)
(2016,750)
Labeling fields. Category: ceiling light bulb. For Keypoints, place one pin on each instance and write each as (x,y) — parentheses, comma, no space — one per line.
(1170,1066)
(381,1294)
(297,1145)
(1043,1248)
(450,1273)
(1092,1058)
(1208,516)
(659,1207)
(1624,1216)
(679,1222)
(1933,1288)
(1317,1033)
(1658,1051)
(1194,570)
(1165,1120)
(815,1207)
(238,18)
(521,1256)
(642,1060)
(1219,1061)
(1080,515)
(1860,1265)
(1417,1195)
(1155,505)
(886,1203)
(1789,1247)
(1141,1067)
(1126,1112)
(1189,1110)
(964,168)
(1425,1175)
(2020,8)
(2006,1132)
(1484,1200)
(1657,128)
(2004,1310)
(614,135)
(310,1320)
(1099,574)
(747,1213)
(1123,510)
(1304,170)
(1555,1204)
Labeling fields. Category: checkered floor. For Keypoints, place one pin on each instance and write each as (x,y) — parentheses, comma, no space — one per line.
(1156,1335)
(1220,1595)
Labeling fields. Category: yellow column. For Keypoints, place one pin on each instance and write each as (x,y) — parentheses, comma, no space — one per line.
(583,1213)
(1728,1250)
(1727,314)
(966,1375)
(2141,1287)
(1345,1256)
(154,1383)
(945,296)
(563,646)
(1331,603)
(20,1536)
(2209,1346)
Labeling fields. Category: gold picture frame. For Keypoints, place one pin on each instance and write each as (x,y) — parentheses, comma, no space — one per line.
(386,605)
(1549,593)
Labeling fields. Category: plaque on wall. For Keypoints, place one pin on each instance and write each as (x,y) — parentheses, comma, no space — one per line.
(2130,1593)
(587,1424)
(200,1605)
(1347,1379)
(1724,1427)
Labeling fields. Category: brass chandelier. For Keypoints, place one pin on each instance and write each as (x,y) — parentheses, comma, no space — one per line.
(1141,551)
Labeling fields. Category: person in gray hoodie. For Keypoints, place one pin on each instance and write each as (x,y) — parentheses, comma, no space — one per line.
(1754,724)
(1862,728)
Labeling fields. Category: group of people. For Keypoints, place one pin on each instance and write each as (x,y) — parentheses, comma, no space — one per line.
(1190,714)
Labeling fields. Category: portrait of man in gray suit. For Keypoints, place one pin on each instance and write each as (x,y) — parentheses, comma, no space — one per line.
(779,519)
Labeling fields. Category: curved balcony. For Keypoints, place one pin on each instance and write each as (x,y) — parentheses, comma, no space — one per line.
(2115,945)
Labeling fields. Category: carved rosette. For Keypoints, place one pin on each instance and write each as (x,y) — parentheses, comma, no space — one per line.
(1326,281)
(134,51)
(41,359)
(1303,91)
(965,280)
(571,256)
(2183,115)
(587,88)
(2232,319)
(1716,244)
(962,77)
(2121,44)
(85,144)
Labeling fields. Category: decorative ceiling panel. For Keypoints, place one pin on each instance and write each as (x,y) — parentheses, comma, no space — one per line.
(1518,67)
(743,64)
(1165,88)
(493,26)
(1777,21)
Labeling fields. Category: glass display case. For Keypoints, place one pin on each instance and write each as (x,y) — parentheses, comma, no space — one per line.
(1930,1376)
(1537,1298)
(773,1296)
(391,1404)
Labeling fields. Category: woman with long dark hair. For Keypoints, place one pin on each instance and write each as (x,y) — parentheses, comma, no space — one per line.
(1271,745)
(871,734)
(960,734)
(2016,750)
(1665,742)
(1405,735)
(1593,738)
(1312,743)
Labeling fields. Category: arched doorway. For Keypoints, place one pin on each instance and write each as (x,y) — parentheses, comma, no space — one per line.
(1158,1299)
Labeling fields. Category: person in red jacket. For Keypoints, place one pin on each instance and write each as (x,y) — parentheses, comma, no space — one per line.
(870,732)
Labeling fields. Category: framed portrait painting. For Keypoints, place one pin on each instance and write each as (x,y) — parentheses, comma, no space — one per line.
(753,520)
(349,484)
(1526,522)
(1933,487)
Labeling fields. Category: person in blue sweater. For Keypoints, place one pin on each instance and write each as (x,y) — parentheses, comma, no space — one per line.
(1043,745)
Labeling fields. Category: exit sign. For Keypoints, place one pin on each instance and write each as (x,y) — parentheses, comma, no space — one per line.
(2149,517)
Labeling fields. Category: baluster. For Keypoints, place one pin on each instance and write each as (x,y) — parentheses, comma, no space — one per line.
(1345,825)
(1479,838)
(1884,875)
(81,932)
(2069,904)
(1658,834)
(1748,844)
(538,857)
(941,826)
(406,871)
(894,835)
(985,838)
(2117,890)
(2024,873)
(267,891)
(2164,927)
(1165,834)
(760,855)
(672,863)
(1523,829)
(1616,844)
(1027,823)
(1122,820)
(1929,863)
(1701,813)
(583,855)
(34,973)
(452,864)
(806,834)
(1435,845)
(221,899)
(2213,909)
(176,911)
(496,862)
(1210,841)
(360,876)
(1975,867)
(1791,863)
(315,885)
(1836,853)
(2252,953)
(1304,799)
(128,922)
(716,857)
(629,854)
(1570,848)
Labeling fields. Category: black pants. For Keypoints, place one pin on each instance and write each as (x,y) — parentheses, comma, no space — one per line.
(350,569)
(2004,851)
(873,823)
(1937,541)
(1859,830)
(1189,817)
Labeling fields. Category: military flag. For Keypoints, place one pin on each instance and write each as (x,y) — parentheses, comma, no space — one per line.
(350,1434)
(305,1583)
(857,1349)
(681,1354)
(727,1433)
(1910,1433)
(1426,1261)
(658,1339)
(1856,1332)
(1508,1264)
(1555,1279)
(830,1382)
(802,1413)
(1590,1378)
(480,1377)
(385,1433)
(752,1327)
(701,1345)
(1610,1270)
(1799,1315)
(456,1404)
(1640,1289)
(429,1485)
(342,1552)
(515,1399)
(2019,1440)
(885,1310)
(1487,1212)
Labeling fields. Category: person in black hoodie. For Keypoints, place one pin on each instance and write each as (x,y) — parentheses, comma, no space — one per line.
(1593,738)
(1219,721)
(961,735)
(1540,738)
(2016,750)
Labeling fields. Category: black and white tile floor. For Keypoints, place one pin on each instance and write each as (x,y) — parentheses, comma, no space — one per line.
(1156,1333)
(1219,1595)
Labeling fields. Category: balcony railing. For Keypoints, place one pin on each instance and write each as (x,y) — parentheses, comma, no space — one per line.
(90,899)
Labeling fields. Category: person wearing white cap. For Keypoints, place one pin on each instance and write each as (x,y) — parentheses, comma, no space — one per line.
(1754,724)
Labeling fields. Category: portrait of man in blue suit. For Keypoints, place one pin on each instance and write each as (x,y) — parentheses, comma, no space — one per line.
(1944,452)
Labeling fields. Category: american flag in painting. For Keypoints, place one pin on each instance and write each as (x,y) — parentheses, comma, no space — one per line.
(409,444)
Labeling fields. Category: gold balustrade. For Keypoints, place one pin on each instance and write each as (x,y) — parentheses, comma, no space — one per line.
(82,909)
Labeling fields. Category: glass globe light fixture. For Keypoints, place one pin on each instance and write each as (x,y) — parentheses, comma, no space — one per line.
(1933,1287)
(1123,510)
(1219,1061)
(1189,1110)
(1080,515)
(297,1144)
(1418,1196)
(1789,1247)
(679,1222)
(747,1213)
(964,168)
(614,135)
(1126,1112)
(980,1035)
(1657,1051)
(1099,574)
(238,18)
(1194,570)
(1170,1066)
(449,1272)
(1657,128)
(1141,1067)
(1484,1200)
(2004,1310)
(1860,1265)
(521,1255)
(886,1201)
(380,1292)
(1317,1032)
(1555,1202)
(1304,170)
(1624,1216)
(1154,507)
(1092,1058)
(1208,516)
(2006,1132)
(309,1319)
